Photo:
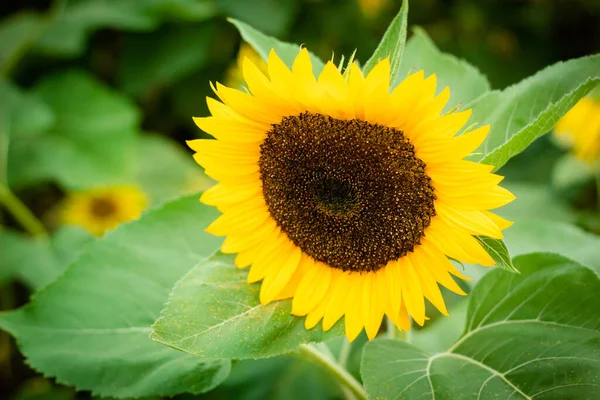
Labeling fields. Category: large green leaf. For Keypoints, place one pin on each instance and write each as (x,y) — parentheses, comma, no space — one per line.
(534,335)
(39,261)
(263,45)
(90,143)
(168,54)
(521,113)
(214,313)
(28,114)
(464,80)
(68,35)
(537,235)
(90,327)
(166,171)
(498,251)
(392,46)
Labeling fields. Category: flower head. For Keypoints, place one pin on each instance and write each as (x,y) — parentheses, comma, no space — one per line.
(345,196)
(580,129)
(102,209)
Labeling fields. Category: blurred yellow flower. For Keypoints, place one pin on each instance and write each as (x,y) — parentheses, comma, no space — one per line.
(370,8)
(102,209)
(580,129)
(233,76)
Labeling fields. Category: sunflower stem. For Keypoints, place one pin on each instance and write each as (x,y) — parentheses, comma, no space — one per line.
(347,381)
(20,212)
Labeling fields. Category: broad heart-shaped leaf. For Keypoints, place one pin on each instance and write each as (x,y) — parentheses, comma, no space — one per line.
(521,113)
(39,261)
(534,335)
(90,143)
(392,46)
(214,313)
(263,45)
(465,81)
(90,328)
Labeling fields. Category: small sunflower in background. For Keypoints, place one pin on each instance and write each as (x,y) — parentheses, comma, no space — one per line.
(102,209)
(234,76)
(580,129)
(344,196)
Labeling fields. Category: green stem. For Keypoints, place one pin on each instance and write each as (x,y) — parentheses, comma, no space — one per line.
(20,212)
(393,332)
(345,352)
(343,376)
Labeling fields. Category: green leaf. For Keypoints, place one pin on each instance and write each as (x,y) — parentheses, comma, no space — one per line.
(529,335)
(536,235)
(28,114)
(67,37)
(273,17)
(97,315)
(283,377)
(37,261)
(168,55)
(535,201)
(521,113)
(498,251)
(263,45)
(213,312)
(90,143)
(465,81)
(569,171)
(392,46)
(165,170)
(17,33)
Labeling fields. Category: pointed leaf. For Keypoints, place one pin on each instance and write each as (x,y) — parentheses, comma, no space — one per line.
(521,113)
(534,335)
(392,46)
(498,251)
(214,313)
(90,328)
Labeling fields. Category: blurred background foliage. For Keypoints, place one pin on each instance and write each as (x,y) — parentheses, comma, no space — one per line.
(100,93)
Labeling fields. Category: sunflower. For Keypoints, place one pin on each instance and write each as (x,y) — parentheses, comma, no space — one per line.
(234,76)
(580,128)
(345,196)
(102,209)
(371,8)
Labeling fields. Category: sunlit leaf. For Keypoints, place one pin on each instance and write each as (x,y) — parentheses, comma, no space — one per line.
(521,113)
(214,313)
(97,315)
(529,335)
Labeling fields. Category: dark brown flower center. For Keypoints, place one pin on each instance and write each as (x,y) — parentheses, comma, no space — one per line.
(348,193)
(102,208)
